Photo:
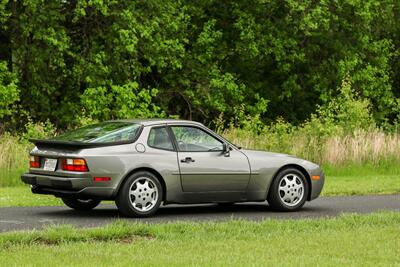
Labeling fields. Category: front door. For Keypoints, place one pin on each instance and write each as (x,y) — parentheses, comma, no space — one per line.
(203,165)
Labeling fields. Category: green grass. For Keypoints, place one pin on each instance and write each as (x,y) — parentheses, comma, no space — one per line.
(358,170)
(350,240)
(22,196)
(361,185)
(14,159)
(334,186)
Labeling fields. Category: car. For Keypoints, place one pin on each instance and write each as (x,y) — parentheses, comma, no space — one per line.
(143,163)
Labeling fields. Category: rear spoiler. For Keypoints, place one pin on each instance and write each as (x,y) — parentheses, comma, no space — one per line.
(42,143)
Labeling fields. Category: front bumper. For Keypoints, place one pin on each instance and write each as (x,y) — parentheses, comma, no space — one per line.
(317,186)
(63,187)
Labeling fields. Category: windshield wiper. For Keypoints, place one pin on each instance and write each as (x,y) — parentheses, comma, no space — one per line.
(217,148)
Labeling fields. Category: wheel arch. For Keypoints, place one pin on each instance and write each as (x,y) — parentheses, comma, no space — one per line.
(301,169)
(148,169)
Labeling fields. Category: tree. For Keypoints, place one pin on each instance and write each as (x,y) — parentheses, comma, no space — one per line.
(198,60)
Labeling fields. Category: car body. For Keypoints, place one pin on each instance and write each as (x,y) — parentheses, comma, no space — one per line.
(202,168)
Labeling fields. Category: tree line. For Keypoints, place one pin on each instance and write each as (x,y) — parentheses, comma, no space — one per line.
(70,60)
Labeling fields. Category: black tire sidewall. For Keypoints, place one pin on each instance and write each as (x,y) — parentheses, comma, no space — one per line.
(123,199)
(274,198)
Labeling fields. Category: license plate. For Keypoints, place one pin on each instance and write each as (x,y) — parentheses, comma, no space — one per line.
(50,164)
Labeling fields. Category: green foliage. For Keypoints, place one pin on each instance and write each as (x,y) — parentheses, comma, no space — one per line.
(4,13)
(207,59)
(9,92)
(59,49)
(120,102)
(38,130)
(85,120)
(342,114)
(300,77)
(341,131)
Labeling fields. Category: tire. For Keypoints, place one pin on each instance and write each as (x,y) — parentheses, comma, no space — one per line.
(288,191)
(140,195)
(80,204)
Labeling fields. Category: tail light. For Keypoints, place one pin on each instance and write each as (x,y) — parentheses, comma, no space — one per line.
(75,165)
(34,162)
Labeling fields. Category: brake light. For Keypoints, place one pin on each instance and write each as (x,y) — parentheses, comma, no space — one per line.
(34,162)
(74,165)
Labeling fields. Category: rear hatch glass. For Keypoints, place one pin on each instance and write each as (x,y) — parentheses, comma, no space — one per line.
(104,132)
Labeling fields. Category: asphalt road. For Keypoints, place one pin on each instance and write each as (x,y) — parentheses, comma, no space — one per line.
(22,218)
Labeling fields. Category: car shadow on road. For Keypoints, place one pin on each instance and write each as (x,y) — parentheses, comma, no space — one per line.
(183,212)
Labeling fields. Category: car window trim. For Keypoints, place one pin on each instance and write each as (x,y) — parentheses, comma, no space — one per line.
(169,136)
(193,126)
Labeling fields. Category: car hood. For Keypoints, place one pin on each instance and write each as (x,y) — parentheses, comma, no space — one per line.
(257,153)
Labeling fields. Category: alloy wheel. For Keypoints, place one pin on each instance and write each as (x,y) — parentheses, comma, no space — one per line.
(143,194)
(291,189)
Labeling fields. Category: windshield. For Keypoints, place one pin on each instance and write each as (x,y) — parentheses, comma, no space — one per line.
(114,131)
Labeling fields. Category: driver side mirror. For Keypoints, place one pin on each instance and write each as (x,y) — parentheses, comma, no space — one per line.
(226,149)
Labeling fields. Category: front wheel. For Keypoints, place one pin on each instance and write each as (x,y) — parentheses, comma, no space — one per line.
(140,195)
(81,204)
(288,191)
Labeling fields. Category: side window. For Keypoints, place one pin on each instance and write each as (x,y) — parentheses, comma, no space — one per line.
(195,139)
(159,138)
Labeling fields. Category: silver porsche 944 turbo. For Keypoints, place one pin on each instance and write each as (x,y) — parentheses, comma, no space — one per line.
(143,163)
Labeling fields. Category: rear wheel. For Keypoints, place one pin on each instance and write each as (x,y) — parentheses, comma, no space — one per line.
(140,195)
(288,191)
(81,204)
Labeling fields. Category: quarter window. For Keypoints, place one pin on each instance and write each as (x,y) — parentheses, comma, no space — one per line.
(159,138)
(195,140)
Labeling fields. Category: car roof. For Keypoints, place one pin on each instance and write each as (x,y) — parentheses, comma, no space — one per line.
(147,122)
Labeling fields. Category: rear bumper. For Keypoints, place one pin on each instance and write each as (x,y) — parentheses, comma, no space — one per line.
(63,187)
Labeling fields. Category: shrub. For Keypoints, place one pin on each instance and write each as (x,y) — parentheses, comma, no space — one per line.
(342,114)
(38,130)
(120,102)
(9,92)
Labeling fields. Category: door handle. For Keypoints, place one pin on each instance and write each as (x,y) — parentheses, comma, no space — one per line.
(187,160)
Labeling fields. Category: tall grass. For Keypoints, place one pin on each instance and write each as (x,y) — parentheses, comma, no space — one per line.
(13,159)
(362,151)
(372,147)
